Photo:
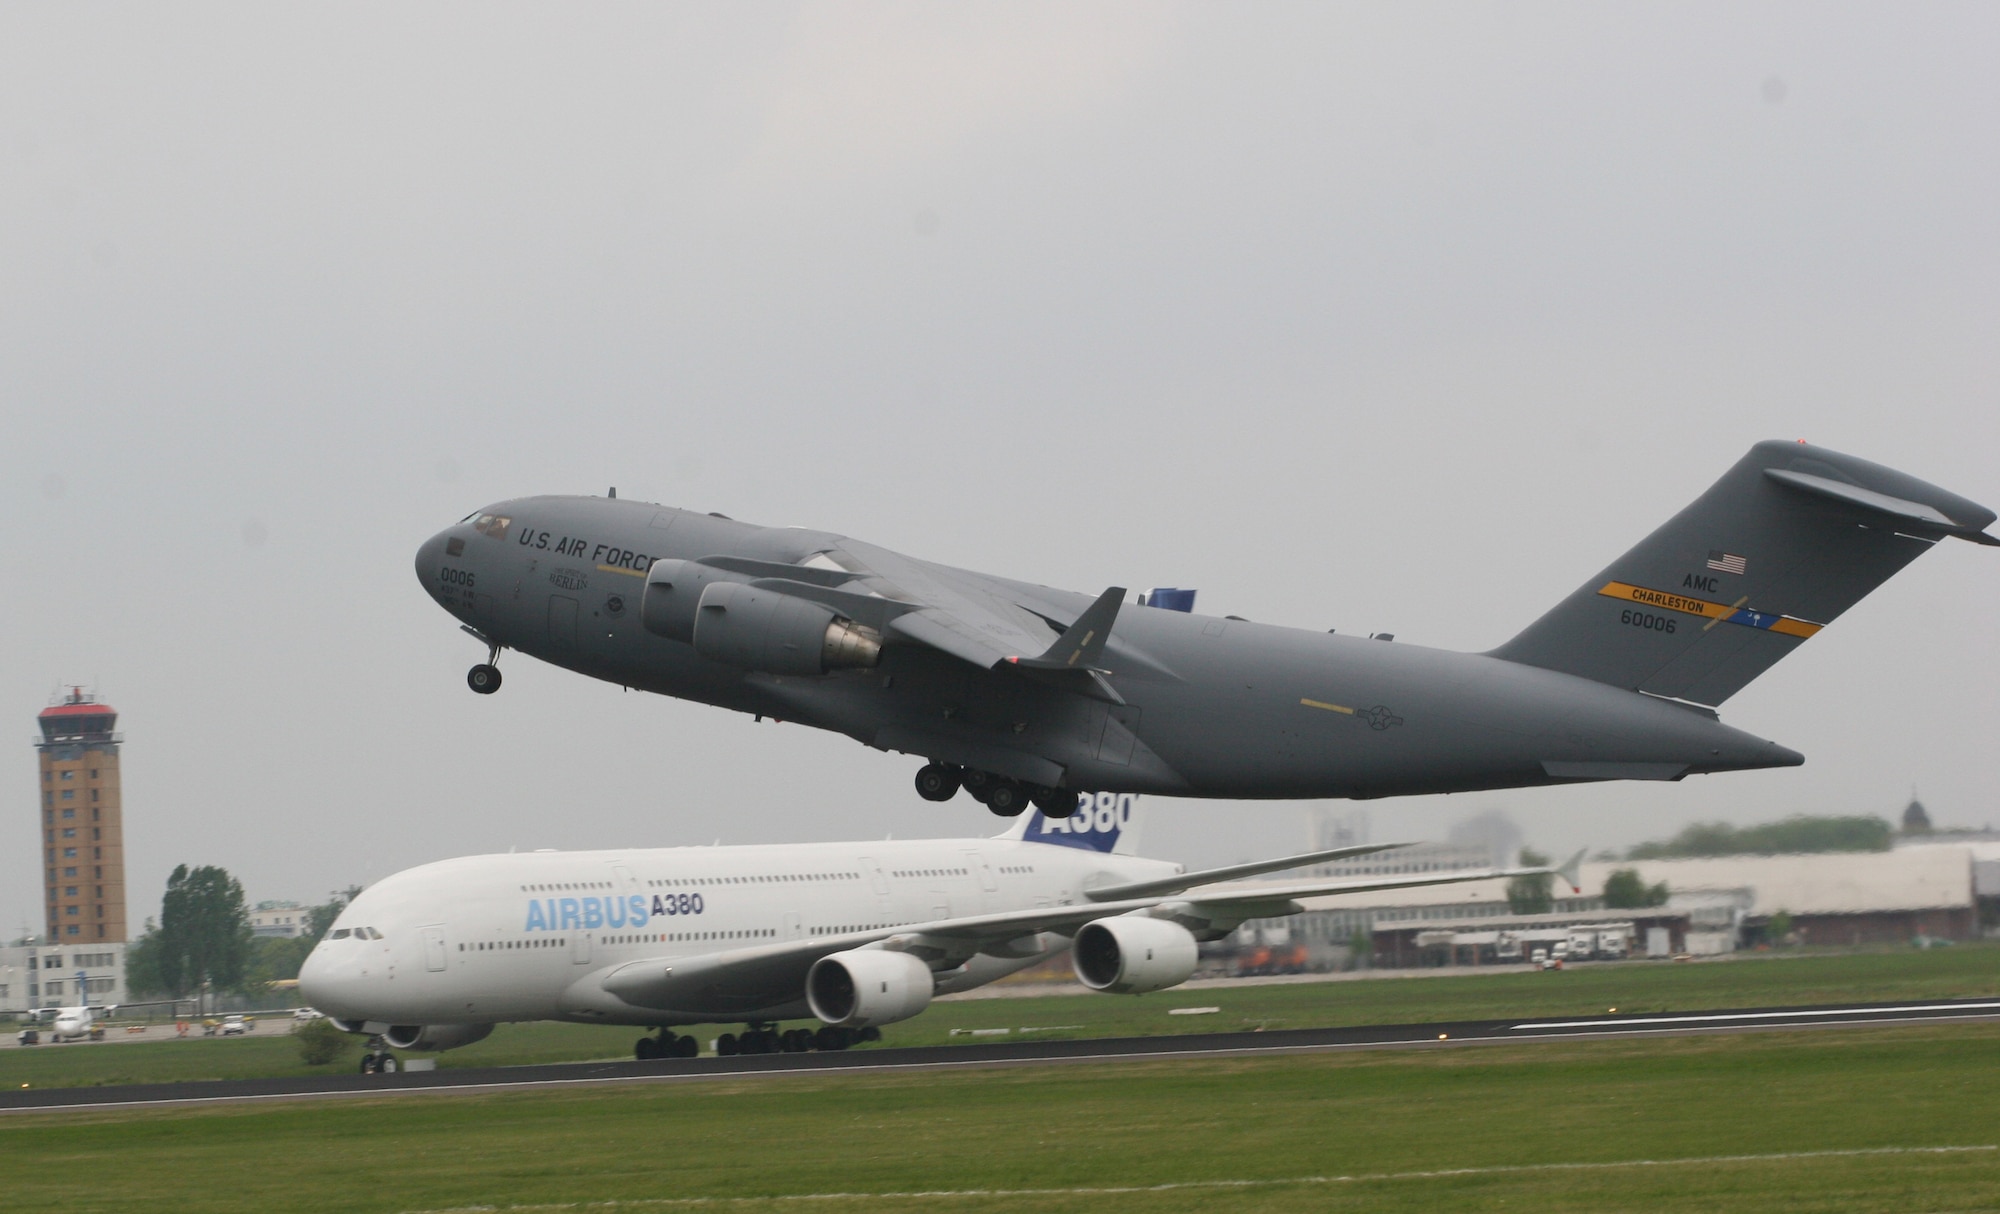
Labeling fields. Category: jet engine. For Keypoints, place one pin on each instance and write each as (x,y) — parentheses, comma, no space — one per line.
(435,1036)
(775,633)
(1130,955)
(673,594)
(864,987)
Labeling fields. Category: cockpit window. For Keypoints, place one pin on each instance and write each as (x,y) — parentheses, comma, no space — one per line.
(338,933)
(494,525)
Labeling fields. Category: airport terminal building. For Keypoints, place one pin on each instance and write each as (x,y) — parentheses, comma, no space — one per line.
(1946,890)
(59,975)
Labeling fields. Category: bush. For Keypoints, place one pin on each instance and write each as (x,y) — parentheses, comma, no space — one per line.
(321,1043)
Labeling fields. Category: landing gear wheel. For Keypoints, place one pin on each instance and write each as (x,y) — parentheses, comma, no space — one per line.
(684,1047)
(937,782)
(1055,802)
(832,1037)
(725,1046)
(1007,799)
(368,1064)
(978,783)
(646,1049)
(386,1065)
(483,678)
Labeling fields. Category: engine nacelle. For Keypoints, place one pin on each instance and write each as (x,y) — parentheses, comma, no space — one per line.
(757,629)
(1129,955)
(435,1036)
(868,986)
(673,595)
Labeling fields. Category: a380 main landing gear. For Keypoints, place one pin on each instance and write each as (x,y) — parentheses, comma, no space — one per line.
(1004,796)
(667,1045)
(763,1037)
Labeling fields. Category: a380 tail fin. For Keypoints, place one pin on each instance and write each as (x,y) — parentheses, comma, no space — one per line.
(1103,822)
(1787,540)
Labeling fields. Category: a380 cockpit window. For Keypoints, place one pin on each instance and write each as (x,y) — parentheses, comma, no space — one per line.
(493,525)
(359,933)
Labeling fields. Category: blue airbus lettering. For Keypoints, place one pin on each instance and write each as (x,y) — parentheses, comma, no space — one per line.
(556,914)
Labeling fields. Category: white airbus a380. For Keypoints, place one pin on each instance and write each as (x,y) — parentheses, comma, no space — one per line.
(852,935)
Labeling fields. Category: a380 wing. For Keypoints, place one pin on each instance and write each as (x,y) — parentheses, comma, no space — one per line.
(769,974)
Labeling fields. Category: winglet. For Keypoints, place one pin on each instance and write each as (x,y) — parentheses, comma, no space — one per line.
(1572,871)
(1082,644)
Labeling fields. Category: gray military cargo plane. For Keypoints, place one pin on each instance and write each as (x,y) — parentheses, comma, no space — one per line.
(1021,693)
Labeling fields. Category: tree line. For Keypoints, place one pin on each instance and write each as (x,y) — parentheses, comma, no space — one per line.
(203,936)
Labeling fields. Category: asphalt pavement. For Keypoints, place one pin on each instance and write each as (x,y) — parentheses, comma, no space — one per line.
(1004,1053)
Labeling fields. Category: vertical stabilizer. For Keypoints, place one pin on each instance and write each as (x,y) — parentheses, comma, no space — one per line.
(1787,540)
(1103,822)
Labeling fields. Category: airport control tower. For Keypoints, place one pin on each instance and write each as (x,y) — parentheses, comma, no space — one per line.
(83,825)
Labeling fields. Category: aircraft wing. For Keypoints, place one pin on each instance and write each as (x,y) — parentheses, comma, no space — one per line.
(769,974)
(963,614)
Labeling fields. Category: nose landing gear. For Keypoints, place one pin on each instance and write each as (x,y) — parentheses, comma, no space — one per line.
(485,677)
(378,1060)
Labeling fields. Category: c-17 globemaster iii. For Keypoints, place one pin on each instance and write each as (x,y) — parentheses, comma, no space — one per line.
(1023,693)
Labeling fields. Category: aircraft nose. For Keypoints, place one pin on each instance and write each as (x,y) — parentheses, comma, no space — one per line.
(332,984)
(430,557)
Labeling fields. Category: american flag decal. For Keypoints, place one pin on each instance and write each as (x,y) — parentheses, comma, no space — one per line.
(1726,562)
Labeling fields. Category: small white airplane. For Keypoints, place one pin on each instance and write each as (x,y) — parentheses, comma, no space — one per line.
(853,935)
(76,1023)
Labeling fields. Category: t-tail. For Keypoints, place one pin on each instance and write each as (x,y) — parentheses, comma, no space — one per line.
(1103,822)
(1787,540)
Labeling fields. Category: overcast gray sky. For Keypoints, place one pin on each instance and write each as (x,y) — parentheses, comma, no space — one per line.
(1402,318)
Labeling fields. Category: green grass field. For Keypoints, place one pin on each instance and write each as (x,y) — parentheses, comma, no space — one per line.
(1634,986)
(1833,1120)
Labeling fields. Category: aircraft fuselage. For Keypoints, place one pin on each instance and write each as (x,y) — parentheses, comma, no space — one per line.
(1213,707)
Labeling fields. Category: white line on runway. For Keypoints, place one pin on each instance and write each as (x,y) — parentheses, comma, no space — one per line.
(1173,1186)
(1738,1017)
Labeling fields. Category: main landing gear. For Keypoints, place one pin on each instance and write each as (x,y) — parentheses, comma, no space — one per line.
(667,1045)
(1004,796)
(763,1037)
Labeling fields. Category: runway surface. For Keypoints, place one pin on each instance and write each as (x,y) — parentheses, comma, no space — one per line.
(492,1079)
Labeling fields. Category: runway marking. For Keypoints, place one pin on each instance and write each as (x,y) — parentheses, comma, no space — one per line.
(1176,1186)
(1727,1017)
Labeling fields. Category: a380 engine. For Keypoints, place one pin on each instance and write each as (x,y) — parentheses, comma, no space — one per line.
(864,987)
(1130,955)
(435,1036)
(749,626)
